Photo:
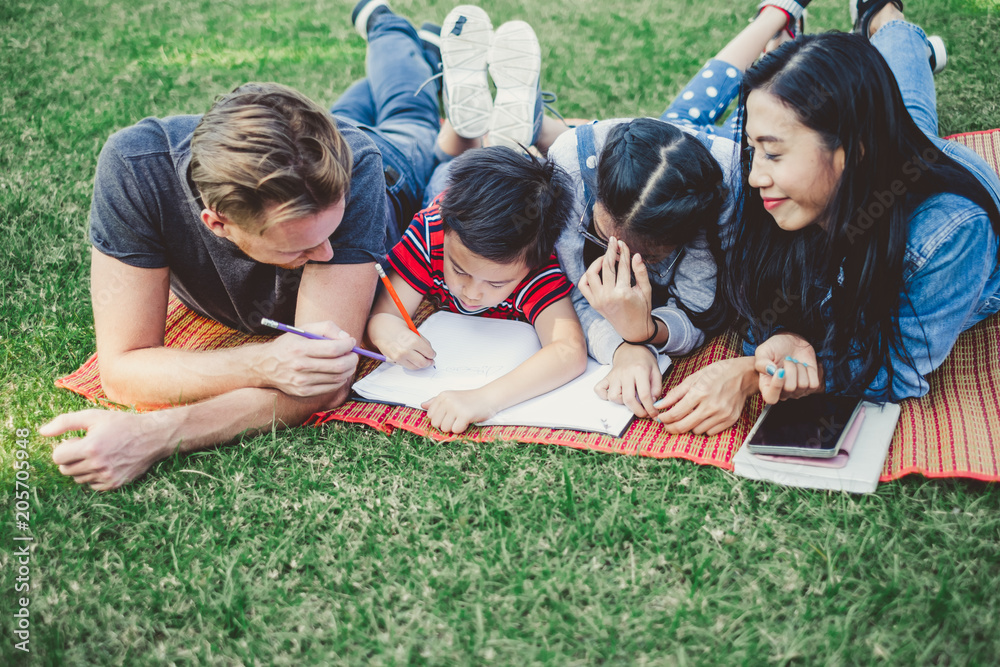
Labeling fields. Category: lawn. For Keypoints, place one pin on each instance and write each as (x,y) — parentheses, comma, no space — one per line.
(343,546)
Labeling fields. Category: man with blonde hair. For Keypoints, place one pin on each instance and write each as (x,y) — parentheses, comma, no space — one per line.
(268,206)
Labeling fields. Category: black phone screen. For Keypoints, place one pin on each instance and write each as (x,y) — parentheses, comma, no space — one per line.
(812,422)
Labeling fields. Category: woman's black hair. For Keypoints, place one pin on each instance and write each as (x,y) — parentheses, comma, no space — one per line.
(839,86)
(663,185)
(506,206)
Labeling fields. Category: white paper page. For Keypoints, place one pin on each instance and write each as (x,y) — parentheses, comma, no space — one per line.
(575,405)
(473,351)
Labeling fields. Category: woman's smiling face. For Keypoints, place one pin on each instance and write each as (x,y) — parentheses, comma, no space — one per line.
(792,167)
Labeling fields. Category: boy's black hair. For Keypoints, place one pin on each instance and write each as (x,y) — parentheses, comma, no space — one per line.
(506,206)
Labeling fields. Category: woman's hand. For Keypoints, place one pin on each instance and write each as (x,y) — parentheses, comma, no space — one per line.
(607,286)
(796,370)
(709,400)
(634,380)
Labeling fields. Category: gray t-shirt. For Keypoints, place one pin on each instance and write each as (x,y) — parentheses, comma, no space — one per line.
(146,214)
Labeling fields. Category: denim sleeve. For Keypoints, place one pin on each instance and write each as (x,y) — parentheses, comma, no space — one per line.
(940,296)
(939,299)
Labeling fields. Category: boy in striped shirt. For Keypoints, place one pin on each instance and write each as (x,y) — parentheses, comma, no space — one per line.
(485,247)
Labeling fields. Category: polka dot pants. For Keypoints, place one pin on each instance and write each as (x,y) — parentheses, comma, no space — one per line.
(702,103)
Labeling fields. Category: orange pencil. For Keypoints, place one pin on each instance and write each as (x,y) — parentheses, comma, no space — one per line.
(395,298)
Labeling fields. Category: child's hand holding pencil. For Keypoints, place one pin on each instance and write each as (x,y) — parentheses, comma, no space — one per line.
(396,335)
(390,334)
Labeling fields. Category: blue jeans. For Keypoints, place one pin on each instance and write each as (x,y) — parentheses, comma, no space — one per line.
(903,46)
(402,121)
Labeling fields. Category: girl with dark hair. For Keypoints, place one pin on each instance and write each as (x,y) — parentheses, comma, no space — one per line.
(658,188)
(866,244)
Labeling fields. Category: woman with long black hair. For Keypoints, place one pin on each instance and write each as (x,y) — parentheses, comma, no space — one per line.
(865,244)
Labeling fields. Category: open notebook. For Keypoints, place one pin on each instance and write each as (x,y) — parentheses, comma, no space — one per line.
(473,351)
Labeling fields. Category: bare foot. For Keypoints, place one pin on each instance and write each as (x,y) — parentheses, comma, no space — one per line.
(888,13)
(452,144)
(779,38)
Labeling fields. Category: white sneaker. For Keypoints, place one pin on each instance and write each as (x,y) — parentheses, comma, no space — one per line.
(515,64)
(466,35)
(937,54)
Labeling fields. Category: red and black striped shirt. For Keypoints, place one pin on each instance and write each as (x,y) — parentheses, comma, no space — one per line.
(419,259)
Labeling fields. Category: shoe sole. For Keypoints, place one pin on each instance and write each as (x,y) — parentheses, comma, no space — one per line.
(464,56)
(515,64)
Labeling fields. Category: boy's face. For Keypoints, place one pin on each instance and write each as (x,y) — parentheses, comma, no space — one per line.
(474,280)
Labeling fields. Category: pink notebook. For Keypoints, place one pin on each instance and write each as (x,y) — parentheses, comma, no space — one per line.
(838,461)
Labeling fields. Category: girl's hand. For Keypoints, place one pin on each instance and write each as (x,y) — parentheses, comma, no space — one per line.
(634,380)
(607,286)
(709,400)
(454,411)
(797,372)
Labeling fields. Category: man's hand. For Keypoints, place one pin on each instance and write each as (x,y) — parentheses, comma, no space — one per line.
(607,286)
(117,448)
(302,367)
(634,380)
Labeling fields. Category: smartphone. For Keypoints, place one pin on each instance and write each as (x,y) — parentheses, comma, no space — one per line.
(813,426)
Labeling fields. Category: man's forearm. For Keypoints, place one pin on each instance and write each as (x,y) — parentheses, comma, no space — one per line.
(223,418)
(119,447)
(166,376)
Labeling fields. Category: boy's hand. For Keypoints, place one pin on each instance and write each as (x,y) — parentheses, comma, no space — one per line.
(454,411)
(634,380)
(394,339)
(607,286)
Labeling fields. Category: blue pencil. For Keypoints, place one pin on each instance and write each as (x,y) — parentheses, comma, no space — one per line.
(305,334)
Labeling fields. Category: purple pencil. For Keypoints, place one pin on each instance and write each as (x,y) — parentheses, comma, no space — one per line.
(305,334)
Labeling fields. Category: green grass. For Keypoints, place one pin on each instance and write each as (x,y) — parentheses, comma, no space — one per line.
(343,546)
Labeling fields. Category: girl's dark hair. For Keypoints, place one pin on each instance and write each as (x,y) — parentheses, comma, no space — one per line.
(663,186)
(839,86)
(506,206)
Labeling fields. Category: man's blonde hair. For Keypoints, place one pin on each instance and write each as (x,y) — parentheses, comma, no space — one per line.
(265,153)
